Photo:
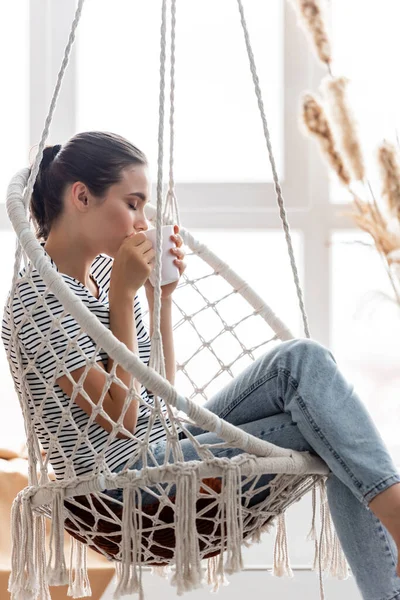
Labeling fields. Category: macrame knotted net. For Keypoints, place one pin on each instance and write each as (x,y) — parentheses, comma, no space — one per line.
(201,509)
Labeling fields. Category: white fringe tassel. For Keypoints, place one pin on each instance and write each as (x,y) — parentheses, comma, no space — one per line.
(161,571)
(129,572)
(233,519)
(328,555)
(40,557)
(333,559)
(340,567)
(281,552)
(231,527)
(215,576)
(23,582)
(79,585)
(188,574)
(56,569)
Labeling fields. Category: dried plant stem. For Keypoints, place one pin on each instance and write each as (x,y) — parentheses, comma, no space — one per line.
(312,18)
(390,175)
(317,124)
(397,139)
(378,213)
(345,130)
(394,286)
(337,136)
(390,274)
(369,221)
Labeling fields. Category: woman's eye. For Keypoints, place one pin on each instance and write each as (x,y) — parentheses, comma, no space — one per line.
(132,206)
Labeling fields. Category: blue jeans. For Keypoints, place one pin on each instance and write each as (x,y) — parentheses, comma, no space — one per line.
(295,397)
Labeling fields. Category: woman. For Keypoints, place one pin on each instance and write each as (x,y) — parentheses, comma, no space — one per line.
(88,206)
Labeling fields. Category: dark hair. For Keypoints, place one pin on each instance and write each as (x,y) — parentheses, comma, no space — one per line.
(95,158)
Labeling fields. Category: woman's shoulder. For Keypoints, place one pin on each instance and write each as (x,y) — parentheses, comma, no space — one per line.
(31,308)
(102,260)
(29,289)
(101,270)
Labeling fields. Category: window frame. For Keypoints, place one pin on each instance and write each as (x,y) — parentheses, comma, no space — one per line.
(217,205)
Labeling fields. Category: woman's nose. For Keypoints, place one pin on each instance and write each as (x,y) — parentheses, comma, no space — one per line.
(141,225)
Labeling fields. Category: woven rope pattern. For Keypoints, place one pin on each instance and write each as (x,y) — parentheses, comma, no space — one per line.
(208,343)
(157,529)
(217,333)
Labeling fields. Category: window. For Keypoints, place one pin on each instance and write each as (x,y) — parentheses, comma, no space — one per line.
(364,320)
(260,258)
(250,254)
(366,329)
(14,124)
(14,100)
(219,136)
(374,92)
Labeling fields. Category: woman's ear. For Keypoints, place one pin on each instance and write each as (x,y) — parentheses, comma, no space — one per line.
(80,196)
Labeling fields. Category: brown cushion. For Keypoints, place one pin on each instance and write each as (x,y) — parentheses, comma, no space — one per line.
(162,543)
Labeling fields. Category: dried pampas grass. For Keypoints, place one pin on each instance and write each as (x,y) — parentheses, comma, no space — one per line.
(317,125)
(311,16)
(369,218)
(387,242)
(334,89)
(390,174)
(337,136)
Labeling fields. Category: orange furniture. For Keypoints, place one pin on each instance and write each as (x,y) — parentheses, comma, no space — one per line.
(13,478)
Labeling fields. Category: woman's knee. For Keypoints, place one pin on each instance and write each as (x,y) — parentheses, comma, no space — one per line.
(305,347)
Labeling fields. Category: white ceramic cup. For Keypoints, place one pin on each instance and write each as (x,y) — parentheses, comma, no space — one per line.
(169,271)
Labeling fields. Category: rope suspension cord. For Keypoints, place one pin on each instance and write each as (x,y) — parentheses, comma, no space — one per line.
(38,158)
(278,188)
(171,210)
(18,253)
(157,361)
(157,354)
(171,197)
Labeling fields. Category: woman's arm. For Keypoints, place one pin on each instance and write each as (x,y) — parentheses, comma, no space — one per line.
(131,268)
(123,326)
(167,335)
(166,307)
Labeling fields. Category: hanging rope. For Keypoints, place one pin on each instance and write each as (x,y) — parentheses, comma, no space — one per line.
(157,354)
(278,189)
(33,446)
(171,210)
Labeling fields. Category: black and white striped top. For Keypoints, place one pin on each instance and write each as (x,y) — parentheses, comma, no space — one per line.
(49,351)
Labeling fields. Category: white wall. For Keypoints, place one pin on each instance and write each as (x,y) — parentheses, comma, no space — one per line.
(256,585)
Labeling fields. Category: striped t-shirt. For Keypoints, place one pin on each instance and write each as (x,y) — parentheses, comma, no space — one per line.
(46,398)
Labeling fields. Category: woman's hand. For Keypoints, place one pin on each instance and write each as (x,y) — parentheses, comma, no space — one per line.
(132,265)
(167,290)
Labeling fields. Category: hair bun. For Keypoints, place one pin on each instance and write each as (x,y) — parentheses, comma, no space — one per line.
(49,154)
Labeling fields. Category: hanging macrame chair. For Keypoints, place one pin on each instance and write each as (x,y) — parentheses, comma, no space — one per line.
(200,508)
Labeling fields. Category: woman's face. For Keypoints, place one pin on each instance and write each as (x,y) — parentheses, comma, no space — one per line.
(122,211)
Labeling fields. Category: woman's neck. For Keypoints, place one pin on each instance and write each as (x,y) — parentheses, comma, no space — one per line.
(71,258)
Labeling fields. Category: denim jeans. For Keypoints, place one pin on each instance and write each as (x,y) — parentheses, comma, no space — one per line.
(295,397)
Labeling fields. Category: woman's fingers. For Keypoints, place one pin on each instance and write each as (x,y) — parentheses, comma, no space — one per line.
(181,265)
(177,239)
(178,253)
